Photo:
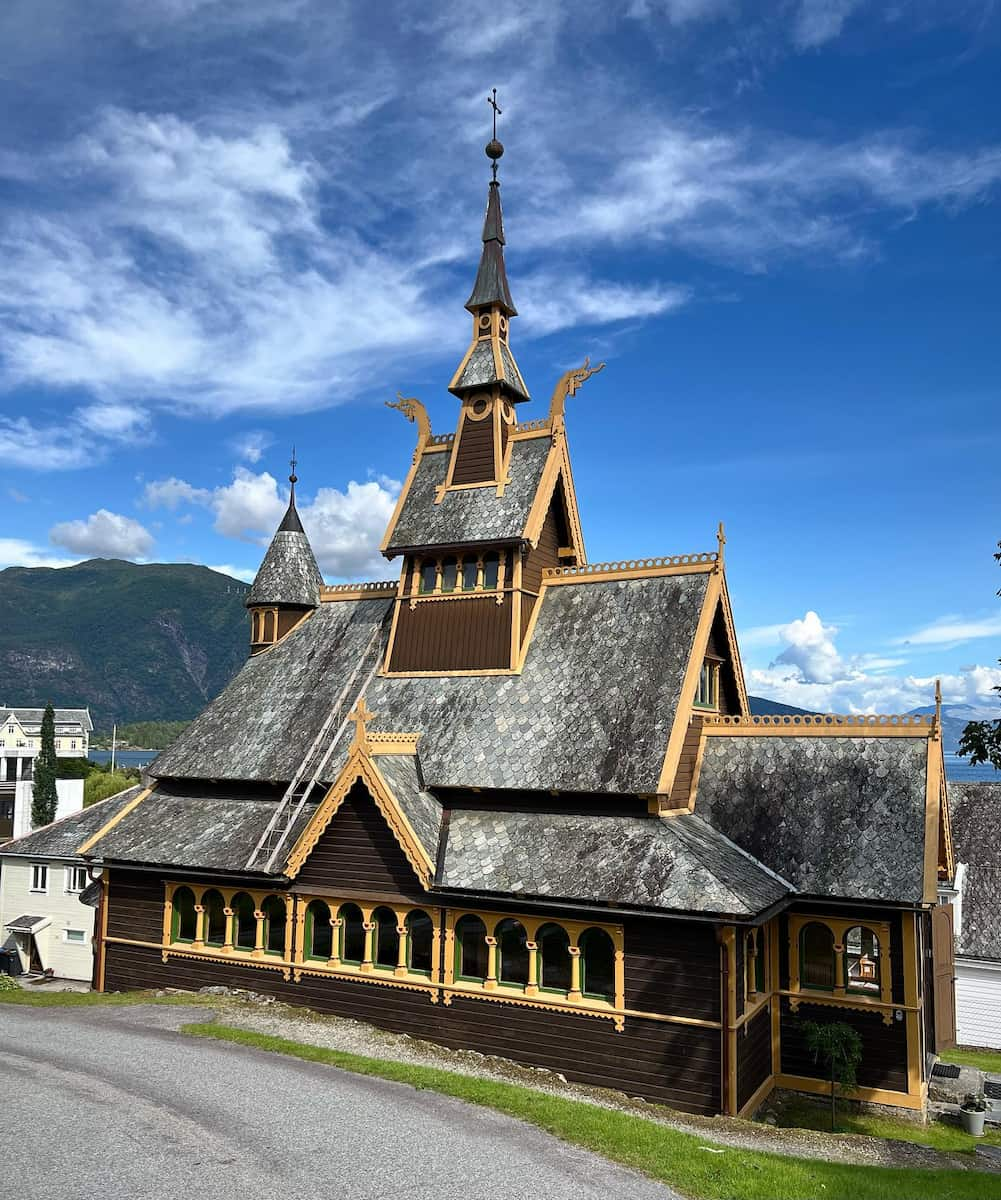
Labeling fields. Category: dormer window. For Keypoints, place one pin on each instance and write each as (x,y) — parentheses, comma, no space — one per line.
(449,574)
(491,571)
(429,576)
(470,574)
(707,695)
(264,626)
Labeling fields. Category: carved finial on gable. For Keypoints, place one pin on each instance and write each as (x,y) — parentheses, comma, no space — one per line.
(938,708)
(720,544)
(414,411)
(361,714)
(567,386)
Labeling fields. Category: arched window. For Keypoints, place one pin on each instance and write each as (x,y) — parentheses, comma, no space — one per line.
(471,949)
(274,925)
(862,960)
(420,940)
(816,957)
(491,570)
(352,934)
(270,629)
(244,922)
(387,940)
(469,573)
(185,920)
(554,958)
(255,626)
(215,918)
(597,965)
(429,575)
(319,933)
(512,951)
(449,574)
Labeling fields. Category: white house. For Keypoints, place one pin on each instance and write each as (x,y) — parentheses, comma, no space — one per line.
(41,881)
(20,744)
(975,809)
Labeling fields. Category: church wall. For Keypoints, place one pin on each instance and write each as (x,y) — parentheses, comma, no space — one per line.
(474,459)
(754,1053)
(465,634)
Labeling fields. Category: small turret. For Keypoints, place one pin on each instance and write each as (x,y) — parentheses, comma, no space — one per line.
(287,586)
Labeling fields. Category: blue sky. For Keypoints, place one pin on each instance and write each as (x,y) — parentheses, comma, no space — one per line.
(225,227)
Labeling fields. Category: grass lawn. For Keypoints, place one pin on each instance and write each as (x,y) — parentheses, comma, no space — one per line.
(937,1134)
(679,1159)
(39,998)
(986,1060)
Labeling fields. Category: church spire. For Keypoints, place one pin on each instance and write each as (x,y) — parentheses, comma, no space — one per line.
(489,363)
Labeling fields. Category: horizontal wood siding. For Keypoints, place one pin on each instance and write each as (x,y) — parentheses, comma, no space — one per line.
(884,1047)
(474,460)
(739,950)
(358,852)
(681,789)
(135,905)
(754,1055)
(468,634)
(672,968)
(670,1064)
(538,559)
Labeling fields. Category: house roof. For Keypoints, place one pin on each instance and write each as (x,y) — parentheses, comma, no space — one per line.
(470,514)
(591,711)
(976,821)
(836,816)
(27,924)
(62,838)
(32,717)
(288,574)
(680,863)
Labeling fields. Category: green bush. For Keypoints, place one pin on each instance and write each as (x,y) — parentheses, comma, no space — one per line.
(99,785)
(7,984)
(72,768)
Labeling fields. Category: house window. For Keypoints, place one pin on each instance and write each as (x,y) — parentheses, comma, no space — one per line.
(244,921)
(512,942)
(470,571)
(554,959)
(816,957)
(352,934)
(319,931)
(39,877)
(491,571)
(76,879)
(274,925)
(76,936)
(707,695)
(597,965)
(387,939)
(862,965)
(471,949)
(72,743)
(429,576)
(215,918)
(185,919)
(420,942)
(449,574)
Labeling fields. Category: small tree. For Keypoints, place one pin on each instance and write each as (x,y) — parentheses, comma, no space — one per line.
(981,740)
(44,796)
(840,1048)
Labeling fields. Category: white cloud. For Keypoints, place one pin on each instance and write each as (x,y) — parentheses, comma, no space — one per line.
(561,300)
(104,534)
(15,552)
(344,527)
(251,445)
(244,574)
(680,12)
(818,21)
(810,650)
(39,448)
(952,631)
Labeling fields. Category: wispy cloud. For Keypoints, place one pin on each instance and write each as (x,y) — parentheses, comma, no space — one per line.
(952,631)
(17,552)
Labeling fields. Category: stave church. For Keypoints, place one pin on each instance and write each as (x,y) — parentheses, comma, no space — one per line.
(515,802)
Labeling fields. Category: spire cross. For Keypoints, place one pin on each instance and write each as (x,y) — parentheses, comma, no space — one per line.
(293,478)
(494,149)
(361,714)
(492,101)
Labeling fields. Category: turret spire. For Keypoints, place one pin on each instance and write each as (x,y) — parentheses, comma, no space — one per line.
(290,522)
(491,286)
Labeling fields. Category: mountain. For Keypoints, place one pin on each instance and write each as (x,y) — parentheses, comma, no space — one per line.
(760,707)
(954,721)
(133,642)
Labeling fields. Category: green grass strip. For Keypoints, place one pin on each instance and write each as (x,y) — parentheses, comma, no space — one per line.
(25,998)
(986,1060)
(678,1159)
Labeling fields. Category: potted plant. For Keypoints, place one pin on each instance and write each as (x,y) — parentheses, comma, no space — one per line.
(973,1113)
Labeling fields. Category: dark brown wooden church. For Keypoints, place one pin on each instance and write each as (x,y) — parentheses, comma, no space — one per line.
(516,802)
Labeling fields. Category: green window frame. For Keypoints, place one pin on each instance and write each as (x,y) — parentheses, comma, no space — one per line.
(597,960)
(275,925)
(419,917)
(352,930)
(869,952)
(318,914)
(386,939)
(707,694)
(215,918)
(468,927)
(244,922)
(180,917)
(513,955)
(817,958)
(553,958)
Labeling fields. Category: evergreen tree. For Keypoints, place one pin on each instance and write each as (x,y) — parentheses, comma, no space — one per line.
(840,1047)
(44,797)
(981,740)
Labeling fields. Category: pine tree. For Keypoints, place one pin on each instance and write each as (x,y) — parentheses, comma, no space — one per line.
(981,740)
(44,797)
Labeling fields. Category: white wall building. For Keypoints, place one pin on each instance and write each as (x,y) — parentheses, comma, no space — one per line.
(41,881)
(975,809)
(20,744)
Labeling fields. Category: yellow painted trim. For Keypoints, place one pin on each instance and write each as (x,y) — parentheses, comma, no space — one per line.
(729,943)
(735,659)
(803,1083)
(393,743)
(356,591)
(360,765)
(401,500)
(696,654)
(557,467)
(819,725)
(757,1097)
(643,568)
(840,996)
(103,934)
(933,793)
(774,929)
(911,1000)
(109,825)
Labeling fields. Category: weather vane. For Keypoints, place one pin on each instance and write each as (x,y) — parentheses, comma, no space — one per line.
(293,478)
(494,148)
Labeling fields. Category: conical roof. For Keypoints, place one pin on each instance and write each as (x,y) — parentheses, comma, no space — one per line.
(491,286)
(288,574)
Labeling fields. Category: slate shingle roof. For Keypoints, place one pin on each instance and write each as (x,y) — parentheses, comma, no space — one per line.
(62,837)
(31,718)
(592,710)
(975,809)
(421,808)
(473,514)
(679,863)
(288,574)
(836,816)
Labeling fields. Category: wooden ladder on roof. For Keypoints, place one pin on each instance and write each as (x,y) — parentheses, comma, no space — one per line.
(311,770)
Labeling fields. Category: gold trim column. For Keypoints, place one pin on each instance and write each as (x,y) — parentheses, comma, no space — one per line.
(227,943)
(532,986)
(198,942)
(401,956)
(575,992)
(258,950)
(367,963)
(490,983)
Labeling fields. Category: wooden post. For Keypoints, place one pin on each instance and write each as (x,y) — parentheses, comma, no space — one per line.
(258,950)
(401,957)
(227,942)
(369,927)
(532,987)
(491,980)
(199,939)
(575,973)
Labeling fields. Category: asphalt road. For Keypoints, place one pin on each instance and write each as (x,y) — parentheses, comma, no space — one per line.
(113,1102)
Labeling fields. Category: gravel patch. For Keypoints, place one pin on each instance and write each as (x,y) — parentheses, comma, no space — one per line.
(261,1014)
